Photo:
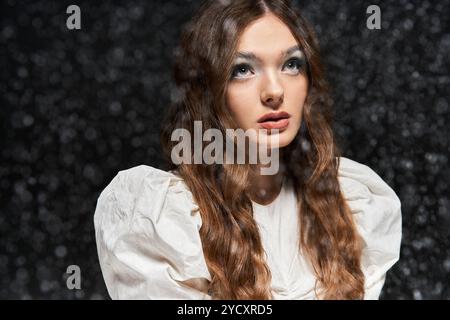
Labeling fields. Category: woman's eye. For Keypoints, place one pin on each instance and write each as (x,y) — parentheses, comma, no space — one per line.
(243,70)
(240,70)
(294,64)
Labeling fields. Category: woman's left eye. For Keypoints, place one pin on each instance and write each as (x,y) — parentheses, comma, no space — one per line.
(294,64)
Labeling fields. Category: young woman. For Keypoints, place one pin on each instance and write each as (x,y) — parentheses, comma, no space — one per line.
(322,227)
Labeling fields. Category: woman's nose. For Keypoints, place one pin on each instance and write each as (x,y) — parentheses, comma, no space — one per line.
(272,93)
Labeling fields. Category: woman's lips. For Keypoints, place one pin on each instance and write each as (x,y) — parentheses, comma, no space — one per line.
(275,124)
(275,120)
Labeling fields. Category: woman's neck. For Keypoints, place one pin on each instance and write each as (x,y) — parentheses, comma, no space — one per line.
(264,189)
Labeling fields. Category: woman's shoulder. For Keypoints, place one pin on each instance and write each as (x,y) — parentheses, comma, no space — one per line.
(376,209)
(375,205)
(359,182)
(146,185)
(134,180)
(146,193)
(147,234)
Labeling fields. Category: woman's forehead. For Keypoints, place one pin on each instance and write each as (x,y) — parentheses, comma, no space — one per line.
(266,35)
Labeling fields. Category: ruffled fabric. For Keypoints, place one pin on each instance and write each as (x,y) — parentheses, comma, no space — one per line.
(147,233)
(377,212)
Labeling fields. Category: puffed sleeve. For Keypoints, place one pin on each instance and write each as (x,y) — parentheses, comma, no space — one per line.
(147,235)
(377,213)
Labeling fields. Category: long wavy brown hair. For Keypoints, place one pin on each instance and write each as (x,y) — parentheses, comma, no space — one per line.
(231,241)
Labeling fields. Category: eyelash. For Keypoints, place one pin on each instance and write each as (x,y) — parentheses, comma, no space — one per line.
(237,68)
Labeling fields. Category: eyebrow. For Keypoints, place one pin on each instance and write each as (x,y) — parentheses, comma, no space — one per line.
(252,56)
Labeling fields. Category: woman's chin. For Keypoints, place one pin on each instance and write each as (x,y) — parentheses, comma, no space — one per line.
(278,140)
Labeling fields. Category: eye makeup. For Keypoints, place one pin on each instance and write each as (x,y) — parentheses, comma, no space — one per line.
(245,61)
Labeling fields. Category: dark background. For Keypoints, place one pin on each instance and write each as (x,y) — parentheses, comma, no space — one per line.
(78,106)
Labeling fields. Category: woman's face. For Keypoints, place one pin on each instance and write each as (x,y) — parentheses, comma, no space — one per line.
(268,77)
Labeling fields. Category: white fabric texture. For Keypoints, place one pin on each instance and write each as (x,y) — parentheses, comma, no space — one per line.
(147,233)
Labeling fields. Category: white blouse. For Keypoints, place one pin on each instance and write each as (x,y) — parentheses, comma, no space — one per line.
(147,232)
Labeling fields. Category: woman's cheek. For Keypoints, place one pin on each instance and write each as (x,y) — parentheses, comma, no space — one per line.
(240,106)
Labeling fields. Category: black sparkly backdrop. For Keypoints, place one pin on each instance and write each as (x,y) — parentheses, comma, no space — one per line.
(78,106)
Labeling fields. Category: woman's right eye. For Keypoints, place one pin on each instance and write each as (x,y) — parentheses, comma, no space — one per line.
(240,70)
